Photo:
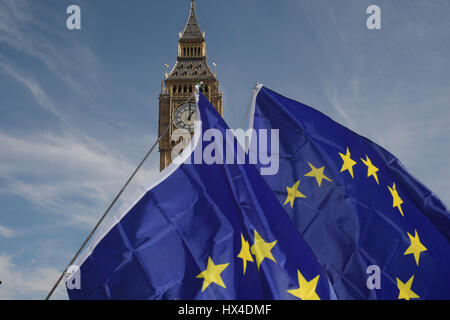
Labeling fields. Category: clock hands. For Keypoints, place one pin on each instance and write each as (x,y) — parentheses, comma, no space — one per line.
(183,116)
(190,112)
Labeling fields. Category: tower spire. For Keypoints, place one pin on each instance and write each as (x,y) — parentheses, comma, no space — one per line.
(192,30)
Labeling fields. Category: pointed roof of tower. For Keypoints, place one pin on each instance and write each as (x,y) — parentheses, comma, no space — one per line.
(192,30)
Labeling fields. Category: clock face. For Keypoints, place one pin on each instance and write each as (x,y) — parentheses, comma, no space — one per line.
(184,116)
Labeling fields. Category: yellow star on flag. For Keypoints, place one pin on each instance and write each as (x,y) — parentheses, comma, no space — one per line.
(349,163)
(306,289)
(371,169)
(212,274)
(245,254)
(318,174)
(261,249)
(405,290)
(416,247)
(293,193)
(397,201)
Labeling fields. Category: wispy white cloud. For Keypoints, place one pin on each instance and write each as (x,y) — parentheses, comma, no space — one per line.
(33,86)
(66,174)
(22,282)
(7,232)
(343,108)
(26,30)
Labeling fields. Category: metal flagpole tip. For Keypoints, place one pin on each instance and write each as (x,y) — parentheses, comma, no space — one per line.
(198,85)
(258,86)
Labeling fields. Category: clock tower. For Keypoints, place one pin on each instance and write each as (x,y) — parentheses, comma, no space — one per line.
(190,68)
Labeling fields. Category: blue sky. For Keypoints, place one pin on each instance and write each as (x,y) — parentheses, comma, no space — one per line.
(78,109)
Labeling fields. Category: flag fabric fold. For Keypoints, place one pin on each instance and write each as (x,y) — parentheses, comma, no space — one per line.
(202,231)
(356,205)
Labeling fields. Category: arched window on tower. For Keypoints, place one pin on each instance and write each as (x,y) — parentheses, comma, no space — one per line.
(184,52)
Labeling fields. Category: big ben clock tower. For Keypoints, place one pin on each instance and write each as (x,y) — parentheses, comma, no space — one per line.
(190,68)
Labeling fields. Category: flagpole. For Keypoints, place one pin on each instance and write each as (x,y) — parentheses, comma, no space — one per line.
(91,234)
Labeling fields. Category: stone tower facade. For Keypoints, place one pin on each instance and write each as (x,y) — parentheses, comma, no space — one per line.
(190,68)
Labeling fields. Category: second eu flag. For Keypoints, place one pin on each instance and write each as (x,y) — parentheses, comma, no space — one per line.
(379,232)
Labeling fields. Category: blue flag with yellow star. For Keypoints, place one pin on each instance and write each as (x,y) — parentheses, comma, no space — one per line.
(378,232)
(201,231)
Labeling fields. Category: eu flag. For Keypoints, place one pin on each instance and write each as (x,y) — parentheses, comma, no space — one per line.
(203,231)
(357,207)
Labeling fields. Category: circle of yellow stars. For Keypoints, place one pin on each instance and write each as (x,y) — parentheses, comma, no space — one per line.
(348,163)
